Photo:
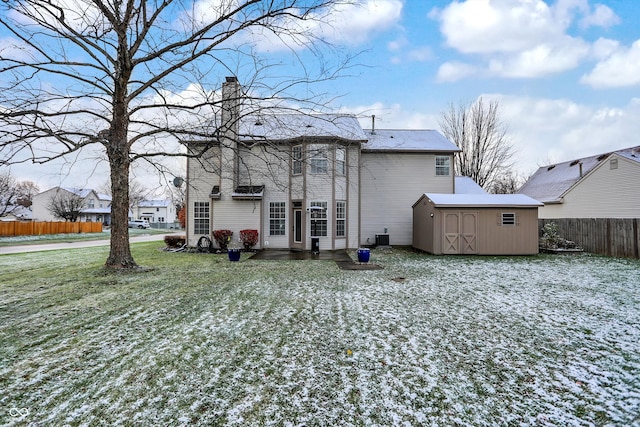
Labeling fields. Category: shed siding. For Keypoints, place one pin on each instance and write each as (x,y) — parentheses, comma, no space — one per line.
(395,181)
(491,238)
(604,193)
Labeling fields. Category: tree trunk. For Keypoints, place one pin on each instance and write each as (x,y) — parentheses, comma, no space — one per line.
(120,253)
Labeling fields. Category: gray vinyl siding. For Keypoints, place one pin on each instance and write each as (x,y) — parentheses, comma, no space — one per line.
(201,178)
(603,193)
(390,184)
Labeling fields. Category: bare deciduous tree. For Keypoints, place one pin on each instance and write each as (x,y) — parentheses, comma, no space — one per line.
(507,183)
(138,78)
(479,132)
(14,194)
(66,205)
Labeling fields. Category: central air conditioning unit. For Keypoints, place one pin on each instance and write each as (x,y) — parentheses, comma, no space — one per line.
(382,240)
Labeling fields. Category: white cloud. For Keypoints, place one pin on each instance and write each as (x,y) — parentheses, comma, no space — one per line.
(619,69)
(345,23)
(546,131)
(541,60)
(453,71)
(521,39)
(602,16)
(483,26)
(543,131)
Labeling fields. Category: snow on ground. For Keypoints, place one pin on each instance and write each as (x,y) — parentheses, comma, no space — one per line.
(440,341)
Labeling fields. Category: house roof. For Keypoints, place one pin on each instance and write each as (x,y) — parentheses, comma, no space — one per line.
(291,127)
(81,192)
(550,183)
(407,140)
(153,203)
(466,185)
(482,200)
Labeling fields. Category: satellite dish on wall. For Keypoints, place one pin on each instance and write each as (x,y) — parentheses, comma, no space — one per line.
(177,181)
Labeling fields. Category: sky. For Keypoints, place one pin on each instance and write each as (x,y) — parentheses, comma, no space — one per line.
(566,73)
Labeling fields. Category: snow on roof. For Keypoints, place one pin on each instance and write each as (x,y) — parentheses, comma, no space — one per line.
(550,183)
(285,127)
(482,200)
(81,192)
(466,185)
(407,140)
(153,203)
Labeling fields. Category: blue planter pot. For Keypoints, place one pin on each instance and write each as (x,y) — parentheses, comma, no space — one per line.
(234,254)
(363,255)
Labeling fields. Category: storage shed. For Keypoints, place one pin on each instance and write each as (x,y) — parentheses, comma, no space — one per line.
(480,224)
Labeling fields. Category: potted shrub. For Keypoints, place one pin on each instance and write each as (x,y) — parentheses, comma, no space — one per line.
(363,255)
(222,238)
(249,238)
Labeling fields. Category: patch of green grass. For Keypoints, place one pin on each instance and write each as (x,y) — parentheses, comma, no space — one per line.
(195,339)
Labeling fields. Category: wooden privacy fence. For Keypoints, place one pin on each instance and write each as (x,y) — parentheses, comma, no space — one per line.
(616,237)
(34,228)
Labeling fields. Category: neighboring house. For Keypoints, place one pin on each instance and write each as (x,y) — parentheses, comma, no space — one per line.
(17,213)
(155,211)
(602,186)
(476,223)
(296,178)
(96,206)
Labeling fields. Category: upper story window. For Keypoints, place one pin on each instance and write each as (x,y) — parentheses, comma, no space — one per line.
(318,159)
(443,165)
(297,157)
(91,204)
(341,160)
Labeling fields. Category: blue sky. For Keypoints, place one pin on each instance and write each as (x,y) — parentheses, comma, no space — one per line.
(566,73)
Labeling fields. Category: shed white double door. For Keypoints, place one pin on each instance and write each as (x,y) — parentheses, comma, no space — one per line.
(460,233)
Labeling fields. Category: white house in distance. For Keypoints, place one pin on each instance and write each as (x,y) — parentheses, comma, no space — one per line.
(601,186)
(155,211)
(97,207)
(296,178)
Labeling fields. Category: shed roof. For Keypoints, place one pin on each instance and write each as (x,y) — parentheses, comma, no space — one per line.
(482,200)
(407,140)
(550,183)
(288,127)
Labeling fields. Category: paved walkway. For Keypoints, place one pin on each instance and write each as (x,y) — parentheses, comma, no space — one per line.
(34,247)
(341,258)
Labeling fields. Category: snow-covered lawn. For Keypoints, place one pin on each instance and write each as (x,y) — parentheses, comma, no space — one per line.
(197,340)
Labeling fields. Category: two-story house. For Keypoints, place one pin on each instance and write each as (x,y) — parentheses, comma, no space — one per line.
(155,211)
(303,179)
(95,207)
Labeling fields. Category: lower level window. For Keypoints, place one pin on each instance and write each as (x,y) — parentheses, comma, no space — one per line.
(341,215)
(277,218)
(318,219)
(201,218)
